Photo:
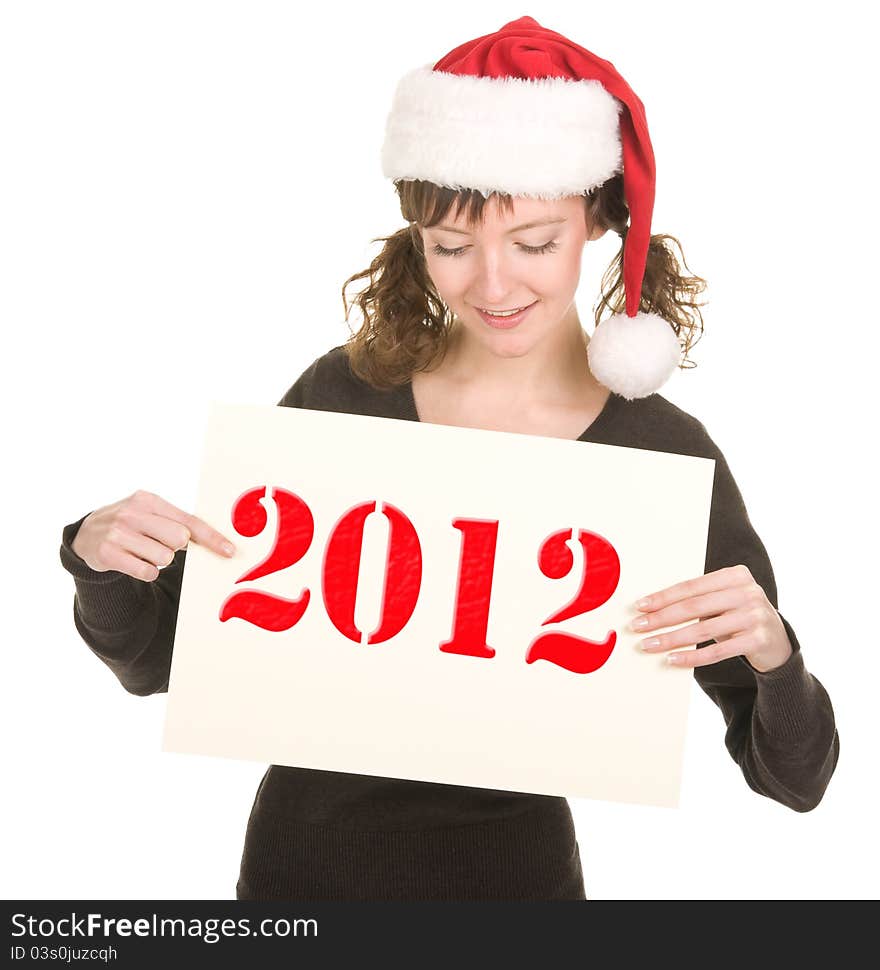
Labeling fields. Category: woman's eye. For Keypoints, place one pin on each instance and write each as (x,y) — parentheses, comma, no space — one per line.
(546,248)
(535,250)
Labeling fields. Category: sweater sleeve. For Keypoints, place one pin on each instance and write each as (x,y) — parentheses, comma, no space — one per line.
(128,623)
(780,724)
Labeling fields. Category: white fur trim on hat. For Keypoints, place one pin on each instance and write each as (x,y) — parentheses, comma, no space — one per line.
(544,138)
(633,356)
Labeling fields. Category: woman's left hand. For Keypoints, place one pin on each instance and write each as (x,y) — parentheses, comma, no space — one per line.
(730,607)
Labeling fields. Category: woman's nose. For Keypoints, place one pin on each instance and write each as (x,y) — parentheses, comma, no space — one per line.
(494,279)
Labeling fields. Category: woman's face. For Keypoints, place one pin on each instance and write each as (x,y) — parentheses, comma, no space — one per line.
(502,265)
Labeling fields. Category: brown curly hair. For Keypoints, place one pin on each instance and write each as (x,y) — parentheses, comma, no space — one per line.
(406,324)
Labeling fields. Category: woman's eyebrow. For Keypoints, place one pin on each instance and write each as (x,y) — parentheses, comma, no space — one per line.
(526,225)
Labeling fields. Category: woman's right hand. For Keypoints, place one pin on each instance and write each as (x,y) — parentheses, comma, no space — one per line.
(139,536)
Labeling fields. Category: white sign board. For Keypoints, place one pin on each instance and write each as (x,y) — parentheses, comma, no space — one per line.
(435,603)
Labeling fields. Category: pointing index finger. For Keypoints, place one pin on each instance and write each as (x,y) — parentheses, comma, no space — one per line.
(199,530)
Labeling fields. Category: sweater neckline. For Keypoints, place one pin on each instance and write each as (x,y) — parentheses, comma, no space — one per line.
(609,410)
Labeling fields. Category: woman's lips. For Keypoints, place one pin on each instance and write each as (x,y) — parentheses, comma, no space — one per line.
(504,323)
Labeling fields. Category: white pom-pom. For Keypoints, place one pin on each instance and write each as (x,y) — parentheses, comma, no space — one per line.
(633,356)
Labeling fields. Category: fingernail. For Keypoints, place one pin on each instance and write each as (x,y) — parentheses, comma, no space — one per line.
(650,644)
(672,658)
(640,622)
(644,603)
(228,548)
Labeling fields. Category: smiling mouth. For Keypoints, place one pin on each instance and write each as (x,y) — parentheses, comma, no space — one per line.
(503,313)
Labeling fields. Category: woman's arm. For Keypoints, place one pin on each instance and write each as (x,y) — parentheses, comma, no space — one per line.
(127,623)
(780,724)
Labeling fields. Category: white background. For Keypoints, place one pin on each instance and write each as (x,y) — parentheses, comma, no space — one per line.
(184,188)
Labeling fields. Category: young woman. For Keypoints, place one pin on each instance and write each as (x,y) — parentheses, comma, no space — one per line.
(509,156)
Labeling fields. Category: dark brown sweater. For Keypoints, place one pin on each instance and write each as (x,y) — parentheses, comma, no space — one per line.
(326,835)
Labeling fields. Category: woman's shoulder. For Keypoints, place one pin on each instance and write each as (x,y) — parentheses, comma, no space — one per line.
(324,376)
(332,368)
(329,384)
(655,423)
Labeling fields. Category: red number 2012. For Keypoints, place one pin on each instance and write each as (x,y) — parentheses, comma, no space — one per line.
(403,578)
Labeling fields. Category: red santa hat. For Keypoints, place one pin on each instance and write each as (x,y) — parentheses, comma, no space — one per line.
(528,112)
